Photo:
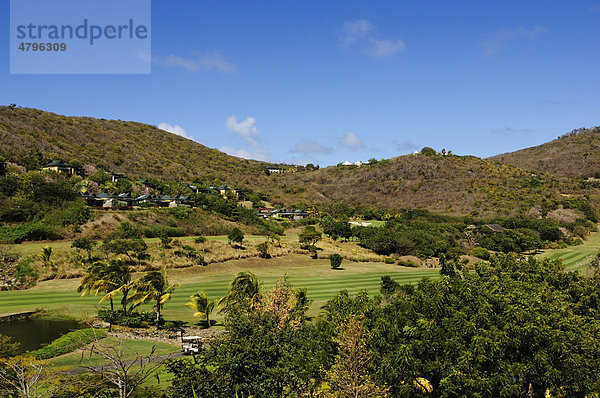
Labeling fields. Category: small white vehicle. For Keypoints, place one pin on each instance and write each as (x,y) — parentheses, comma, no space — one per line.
(191,344)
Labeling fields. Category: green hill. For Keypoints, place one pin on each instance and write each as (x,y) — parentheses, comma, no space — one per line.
(575,154)
(135,149)
(449,184)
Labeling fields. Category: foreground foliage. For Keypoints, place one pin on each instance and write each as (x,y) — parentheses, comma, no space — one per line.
(514,327)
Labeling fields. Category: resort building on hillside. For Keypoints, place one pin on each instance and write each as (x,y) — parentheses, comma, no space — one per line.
(59,167)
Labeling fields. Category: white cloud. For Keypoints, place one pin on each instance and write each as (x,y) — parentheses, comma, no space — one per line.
(360,35)
(249,132)
(246,128)
(351,141)
(200,62)
(310,146)
(385,48)
(353,31)
(177,129)
(499,39)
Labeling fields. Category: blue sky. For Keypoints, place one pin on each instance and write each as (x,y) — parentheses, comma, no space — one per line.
(325,82)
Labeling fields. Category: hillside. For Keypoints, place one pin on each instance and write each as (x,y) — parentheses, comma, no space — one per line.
(575,154)
(448,184)
(135,149)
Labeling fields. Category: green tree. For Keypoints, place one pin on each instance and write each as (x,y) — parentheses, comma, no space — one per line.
(235,236)
(202,306)
(243,290)
(335,260)
(129,247)
(153,286)
(8,346)
(84,243)
(309,236)
(270,350)
(349,376)
(263,249)
(428,151)
(117,280)
(165,241)
(112,278)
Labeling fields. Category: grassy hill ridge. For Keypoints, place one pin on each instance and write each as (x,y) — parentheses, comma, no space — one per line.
(575,154)
(136,149)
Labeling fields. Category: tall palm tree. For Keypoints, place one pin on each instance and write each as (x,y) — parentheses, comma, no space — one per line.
(117,280)
(201,305)
(245,287)
(154,286)
(91,282)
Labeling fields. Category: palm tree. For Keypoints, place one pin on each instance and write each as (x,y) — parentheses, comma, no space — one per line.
(245,287)
(201,305)
(154,286)
(117,280)
(91,282)
(111,278)
(45,257)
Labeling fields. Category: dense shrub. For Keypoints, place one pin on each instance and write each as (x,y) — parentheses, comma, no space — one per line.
(480,252)
(131,319)
(335,260)
(35,230)
(26,274)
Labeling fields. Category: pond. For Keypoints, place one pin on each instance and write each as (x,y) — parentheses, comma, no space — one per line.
(34,333)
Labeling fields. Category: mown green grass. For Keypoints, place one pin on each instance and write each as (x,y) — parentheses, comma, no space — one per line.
(576,257)
(320,280)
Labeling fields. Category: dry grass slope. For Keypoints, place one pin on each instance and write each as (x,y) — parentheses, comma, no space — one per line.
(576,154)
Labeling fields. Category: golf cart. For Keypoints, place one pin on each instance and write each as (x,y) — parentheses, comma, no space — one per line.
(191,344)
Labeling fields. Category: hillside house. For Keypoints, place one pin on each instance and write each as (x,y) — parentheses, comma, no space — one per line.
(59,167)
(274,170)
(225,191)
(283,214)
(107,200)
(199,189)
(116,177)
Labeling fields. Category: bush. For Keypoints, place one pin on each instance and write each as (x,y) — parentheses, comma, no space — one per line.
(69,342)
(235,236)
(35,230)
(389,260)
(26,274)
(132,319)
(480,252)
(263,249)
(408,263)
(200,239)
(335,261)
